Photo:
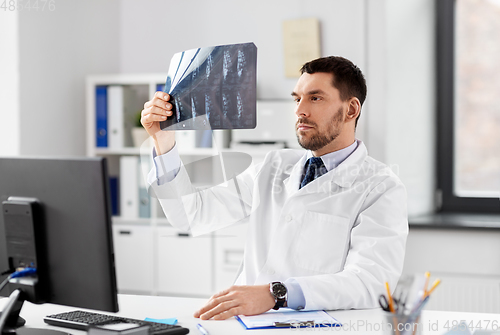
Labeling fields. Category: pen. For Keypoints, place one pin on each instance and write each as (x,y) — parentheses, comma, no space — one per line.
(436,283)
(201,329)
(417,310)
(427,275)
(294,324)
(389,297)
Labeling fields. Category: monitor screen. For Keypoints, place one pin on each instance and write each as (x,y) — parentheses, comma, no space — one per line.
(75,221)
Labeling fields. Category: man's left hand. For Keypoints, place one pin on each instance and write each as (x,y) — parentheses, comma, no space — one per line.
(237,300)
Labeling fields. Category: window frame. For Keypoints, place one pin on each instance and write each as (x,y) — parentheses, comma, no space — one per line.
(445,71)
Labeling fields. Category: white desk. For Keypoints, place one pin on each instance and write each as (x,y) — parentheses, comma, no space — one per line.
(358,322)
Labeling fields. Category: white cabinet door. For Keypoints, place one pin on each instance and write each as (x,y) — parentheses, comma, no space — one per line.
(133,247)
(184,263)
(229,247)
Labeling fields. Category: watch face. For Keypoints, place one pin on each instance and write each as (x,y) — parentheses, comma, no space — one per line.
(279,290)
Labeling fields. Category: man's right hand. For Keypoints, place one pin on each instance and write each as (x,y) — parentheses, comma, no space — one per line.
(155,111)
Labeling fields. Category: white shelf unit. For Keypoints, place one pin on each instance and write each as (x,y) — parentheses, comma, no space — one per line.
(151,256)
(150,81)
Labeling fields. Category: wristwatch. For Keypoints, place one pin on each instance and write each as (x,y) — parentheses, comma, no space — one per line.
(279,293)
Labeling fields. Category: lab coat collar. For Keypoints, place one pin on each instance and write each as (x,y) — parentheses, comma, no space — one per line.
(346,173)
(343,175)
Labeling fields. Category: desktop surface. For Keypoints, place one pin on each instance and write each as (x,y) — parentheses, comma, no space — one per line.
(359,322)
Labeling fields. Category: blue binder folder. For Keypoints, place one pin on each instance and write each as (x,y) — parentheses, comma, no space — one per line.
(101,116)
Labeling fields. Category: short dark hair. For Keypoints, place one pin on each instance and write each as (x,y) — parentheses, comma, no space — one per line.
(347,77)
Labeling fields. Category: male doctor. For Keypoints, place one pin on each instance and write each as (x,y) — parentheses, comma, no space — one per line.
(327,226)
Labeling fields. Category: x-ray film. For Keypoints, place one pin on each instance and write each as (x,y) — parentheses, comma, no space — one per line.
(218,82)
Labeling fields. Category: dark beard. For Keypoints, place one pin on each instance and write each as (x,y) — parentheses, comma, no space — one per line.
(319,140)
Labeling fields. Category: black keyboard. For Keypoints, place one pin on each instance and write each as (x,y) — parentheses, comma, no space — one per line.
(83,320)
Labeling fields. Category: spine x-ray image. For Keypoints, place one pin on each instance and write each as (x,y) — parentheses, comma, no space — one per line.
(217,82)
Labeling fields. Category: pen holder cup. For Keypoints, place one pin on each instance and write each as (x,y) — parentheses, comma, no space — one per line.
(397,324)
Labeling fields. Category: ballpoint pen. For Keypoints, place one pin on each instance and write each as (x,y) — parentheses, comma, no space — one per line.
(201,329)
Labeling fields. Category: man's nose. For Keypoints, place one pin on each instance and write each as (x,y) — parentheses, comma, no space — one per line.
(301,110)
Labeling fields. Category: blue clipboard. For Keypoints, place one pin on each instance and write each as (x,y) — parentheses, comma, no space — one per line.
(288,319)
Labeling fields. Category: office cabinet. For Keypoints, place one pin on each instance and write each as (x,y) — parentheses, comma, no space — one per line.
(184,263)
(134,258)
(229,244)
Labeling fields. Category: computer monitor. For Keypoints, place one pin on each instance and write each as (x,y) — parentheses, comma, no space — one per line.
(71,214)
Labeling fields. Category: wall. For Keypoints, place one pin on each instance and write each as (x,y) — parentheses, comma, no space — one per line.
(400,78)
(9,84)
(152,31)
(57,49)
(410,127)
(343,29)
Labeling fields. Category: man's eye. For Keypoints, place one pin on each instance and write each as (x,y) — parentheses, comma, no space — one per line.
(315,98)
(296,100)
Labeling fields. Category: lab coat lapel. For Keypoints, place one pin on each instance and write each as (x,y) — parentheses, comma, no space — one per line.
(292,183)
(343,175)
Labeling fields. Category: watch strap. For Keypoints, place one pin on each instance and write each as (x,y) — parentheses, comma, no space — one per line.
(279,304)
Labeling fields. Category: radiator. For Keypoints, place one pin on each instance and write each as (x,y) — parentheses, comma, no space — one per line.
(464,293)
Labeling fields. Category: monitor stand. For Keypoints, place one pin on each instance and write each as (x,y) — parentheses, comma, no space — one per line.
(18,323)
(11,323)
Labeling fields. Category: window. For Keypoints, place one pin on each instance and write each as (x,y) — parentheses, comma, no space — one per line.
(468,71)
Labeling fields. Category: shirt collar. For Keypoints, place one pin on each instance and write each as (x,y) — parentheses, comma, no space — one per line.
(333,159)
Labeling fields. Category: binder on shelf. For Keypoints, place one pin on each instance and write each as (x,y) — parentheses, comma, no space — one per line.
(115,117)
(114,193)
(144,203)
(203,138)
(222,138)
(129,187)
(101,116)
(144,199)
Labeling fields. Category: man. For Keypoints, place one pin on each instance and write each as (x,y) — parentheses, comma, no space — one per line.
(327,227)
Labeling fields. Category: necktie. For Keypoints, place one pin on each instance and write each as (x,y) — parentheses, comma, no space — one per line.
(313,169)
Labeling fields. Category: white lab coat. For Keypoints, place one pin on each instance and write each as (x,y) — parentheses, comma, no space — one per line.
(341,237)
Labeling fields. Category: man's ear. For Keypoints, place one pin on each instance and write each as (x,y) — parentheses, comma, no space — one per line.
(354,108)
